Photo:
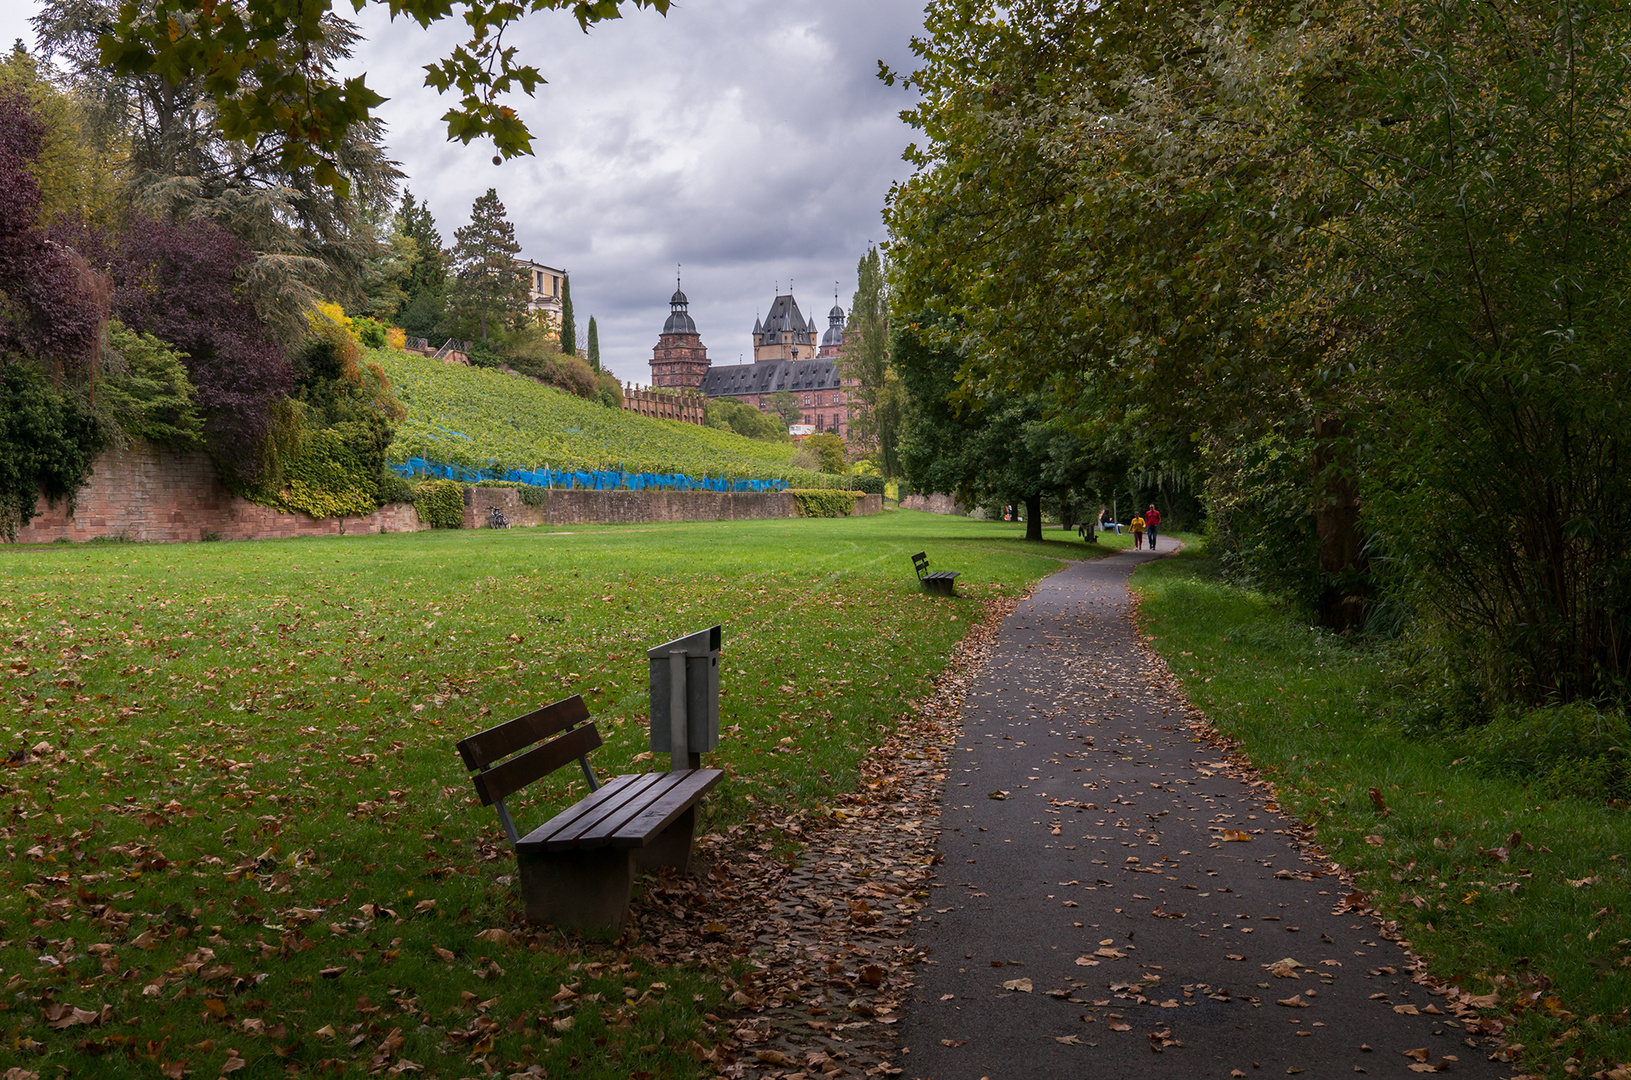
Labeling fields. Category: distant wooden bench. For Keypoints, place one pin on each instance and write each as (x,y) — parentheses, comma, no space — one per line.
(938,581)
(577,869)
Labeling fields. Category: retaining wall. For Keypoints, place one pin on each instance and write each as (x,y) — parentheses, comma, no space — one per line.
(934,504)
(151,493)
(581,507)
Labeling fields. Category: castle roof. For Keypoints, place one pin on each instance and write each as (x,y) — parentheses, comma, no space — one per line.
(835,327)
(770,377)
(784,318)
(679,320)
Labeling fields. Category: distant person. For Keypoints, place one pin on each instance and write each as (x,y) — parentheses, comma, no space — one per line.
(1137,527)
(1089,531)
(1152,523)
(1105,524)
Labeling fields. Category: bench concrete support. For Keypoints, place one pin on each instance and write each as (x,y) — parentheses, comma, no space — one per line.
(671,847)
(581,889)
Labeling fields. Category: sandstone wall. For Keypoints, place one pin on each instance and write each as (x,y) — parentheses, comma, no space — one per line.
(151,493)
(579,507)
(934,504)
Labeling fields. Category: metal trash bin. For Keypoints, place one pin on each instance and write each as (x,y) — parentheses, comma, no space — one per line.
(685,698)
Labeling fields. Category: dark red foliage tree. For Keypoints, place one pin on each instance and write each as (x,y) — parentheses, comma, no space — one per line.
(176,281)
(52,305)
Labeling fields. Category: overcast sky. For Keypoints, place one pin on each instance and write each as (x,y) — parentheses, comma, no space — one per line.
(749,140)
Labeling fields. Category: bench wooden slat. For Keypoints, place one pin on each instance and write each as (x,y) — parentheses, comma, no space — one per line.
(597,833)
(558,835)
(668,806)
(611,789)
(942,574)
(501,740)
(503,780)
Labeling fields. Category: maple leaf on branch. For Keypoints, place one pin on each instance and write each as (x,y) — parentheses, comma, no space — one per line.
(260,61)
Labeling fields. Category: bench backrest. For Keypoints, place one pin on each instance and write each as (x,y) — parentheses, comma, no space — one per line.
(498,774)
(920,563)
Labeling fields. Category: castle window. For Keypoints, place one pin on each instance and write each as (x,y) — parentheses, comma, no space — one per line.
(818,399)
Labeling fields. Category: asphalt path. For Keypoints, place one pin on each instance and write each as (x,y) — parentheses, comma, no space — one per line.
(1113,902)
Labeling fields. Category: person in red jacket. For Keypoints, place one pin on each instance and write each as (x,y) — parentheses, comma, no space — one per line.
(1152,523)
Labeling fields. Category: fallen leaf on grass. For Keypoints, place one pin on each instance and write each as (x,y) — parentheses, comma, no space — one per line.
(1374,841)
(61,1016)
(1583,882)
(1022,985)
(444,955)
(495,935)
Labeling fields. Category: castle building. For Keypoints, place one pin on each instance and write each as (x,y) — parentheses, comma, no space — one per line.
(787,358)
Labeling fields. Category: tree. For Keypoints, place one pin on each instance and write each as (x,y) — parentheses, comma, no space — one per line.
(312,242)
(486,284)
(426,287)
(826,450)
(875,421)
(569,330)
(785,405)
(259,64)
(594,345)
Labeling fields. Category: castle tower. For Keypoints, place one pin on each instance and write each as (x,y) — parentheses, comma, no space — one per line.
(679,360)
(784,334)
(832,342)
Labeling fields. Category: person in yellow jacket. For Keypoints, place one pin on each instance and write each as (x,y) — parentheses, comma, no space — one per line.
(1137,527)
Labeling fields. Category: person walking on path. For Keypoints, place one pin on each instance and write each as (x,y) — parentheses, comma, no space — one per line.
(1137,527)
(1107,885)
(1152,523)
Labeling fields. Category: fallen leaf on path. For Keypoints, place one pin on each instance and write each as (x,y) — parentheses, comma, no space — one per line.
(1110,954)
(953,1043)
(998,795)
(773,1057)
(1406,1010)
(1235,956)
(1068,1040)
(1294,1002)
(1022,985)
(1086,961)
(1118,1026)
(1236,836)
(1284,969)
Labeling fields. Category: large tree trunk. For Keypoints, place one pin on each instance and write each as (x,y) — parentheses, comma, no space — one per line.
(1342,598)
(1033,517)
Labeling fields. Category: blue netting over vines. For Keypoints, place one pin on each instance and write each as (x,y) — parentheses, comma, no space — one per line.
(599,480)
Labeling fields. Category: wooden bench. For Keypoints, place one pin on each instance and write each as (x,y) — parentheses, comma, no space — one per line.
(939,581)
(577,869)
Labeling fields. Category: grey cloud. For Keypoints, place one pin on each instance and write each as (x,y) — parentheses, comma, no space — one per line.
(749,140)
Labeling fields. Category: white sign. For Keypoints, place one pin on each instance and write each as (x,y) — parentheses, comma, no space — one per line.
(798,431)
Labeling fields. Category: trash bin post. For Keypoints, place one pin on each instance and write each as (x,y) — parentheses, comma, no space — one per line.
(685,698)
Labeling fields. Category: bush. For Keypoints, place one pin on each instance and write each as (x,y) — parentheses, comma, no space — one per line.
(440,504)
(394,488)
(328,478)
(828,452)
(610,391)
(868,483)
(1568,750)
(824,502)
(48,443)
(144,392)
(370,332)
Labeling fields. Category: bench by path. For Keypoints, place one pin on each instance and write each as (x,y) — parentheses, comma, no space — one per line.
(1133,936)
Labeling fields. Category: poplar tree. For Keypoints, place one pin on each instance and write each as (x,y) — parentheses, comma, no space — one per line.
(569,332)
(486,284)
(594,345)
(876,423)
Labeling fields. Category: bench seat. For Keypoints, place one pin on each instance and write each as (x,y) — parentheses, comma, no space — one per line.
(934,581)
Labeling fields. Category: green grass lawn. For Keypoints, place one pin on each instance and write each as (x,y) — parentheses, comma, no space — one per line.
(242,835)
(1546,922)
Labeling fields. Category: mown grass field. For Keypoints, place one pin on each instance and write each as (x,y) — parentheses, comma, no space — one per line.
(1544,921)
(237,836)
(480,418)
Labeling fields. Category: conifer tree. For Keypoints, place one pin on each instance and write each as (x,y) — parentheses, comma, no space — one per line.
(569,332)
(594,345)
(486,284)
